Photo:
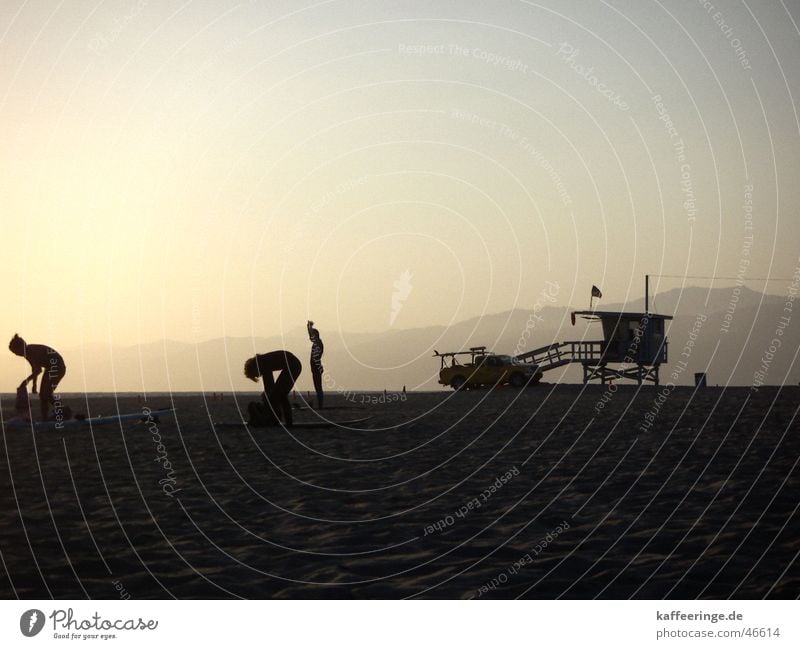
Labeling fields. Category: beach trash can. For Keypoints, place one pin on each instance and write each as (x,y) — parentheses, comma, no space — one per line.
(700,379)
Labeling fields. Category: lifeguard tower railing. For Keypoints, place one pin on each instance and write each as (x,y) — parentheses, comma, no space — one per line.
(558,354)
(591,354)
(614,358)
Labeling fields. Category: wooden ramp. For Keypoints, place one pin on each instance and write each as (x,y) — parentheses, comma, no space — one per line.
(597,363)
(558,354)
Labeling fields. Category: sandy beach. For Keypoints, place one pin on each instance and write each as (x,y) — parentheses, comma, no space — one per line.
(551,492)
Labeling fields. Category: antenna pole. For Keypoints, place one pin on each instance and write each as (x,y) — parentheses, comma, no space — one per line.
(647,293)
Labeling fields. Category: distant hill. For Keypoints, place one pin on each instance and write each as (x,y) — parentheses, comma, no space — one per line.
(394,358)
(698,300)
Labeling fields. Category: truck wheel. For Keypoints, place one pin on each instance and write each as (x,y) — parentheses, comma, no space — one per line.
(535,379)
(458,383)
(517,380)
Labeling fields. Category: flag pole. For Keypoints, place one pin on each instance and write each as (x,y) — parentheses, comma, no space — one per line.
(647,293)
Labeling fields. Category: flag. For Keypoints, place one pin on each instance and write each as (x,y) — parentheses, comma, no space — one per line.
(596,292)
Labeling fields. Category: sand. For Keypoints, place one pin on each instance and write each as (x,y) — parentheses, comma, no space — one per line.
(540,493)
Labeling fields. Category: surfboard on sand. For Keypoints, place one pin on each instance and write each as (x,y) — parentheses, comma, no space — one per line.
(89,422)
(320,423)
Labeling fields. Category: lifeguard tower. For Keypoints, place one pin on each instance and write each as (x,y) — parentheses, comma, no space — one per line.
(633,347)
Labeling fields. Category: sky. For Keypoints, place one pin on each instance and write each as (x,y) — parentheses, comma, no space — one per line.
(194,169)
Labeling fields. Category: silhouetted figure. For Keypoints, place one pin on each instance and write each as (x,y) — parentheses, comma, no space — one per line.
(317,349)
(22,404)
(276,391)
(41,358)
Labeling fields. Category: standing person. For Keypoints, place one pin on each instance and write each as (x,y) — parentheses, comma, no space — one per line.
(41,357)
(317,348)
(276,391)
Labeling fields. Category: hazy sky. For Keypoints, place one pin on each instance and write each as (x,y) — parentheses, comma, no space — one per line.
(193,169)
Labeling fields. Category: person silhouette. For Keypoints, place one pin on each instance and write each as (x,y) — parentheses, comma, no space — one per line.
(276,391)
(22,404)
(41,358)
(317,349)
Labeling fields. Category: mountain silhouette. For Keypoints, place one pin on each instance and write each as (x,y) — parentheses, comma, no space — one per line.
(396,357)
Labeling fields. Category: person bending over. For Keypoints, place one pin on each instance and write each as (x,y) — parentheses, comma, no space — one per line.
(317,348)
(276,391)
(42,358)
(22,404)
